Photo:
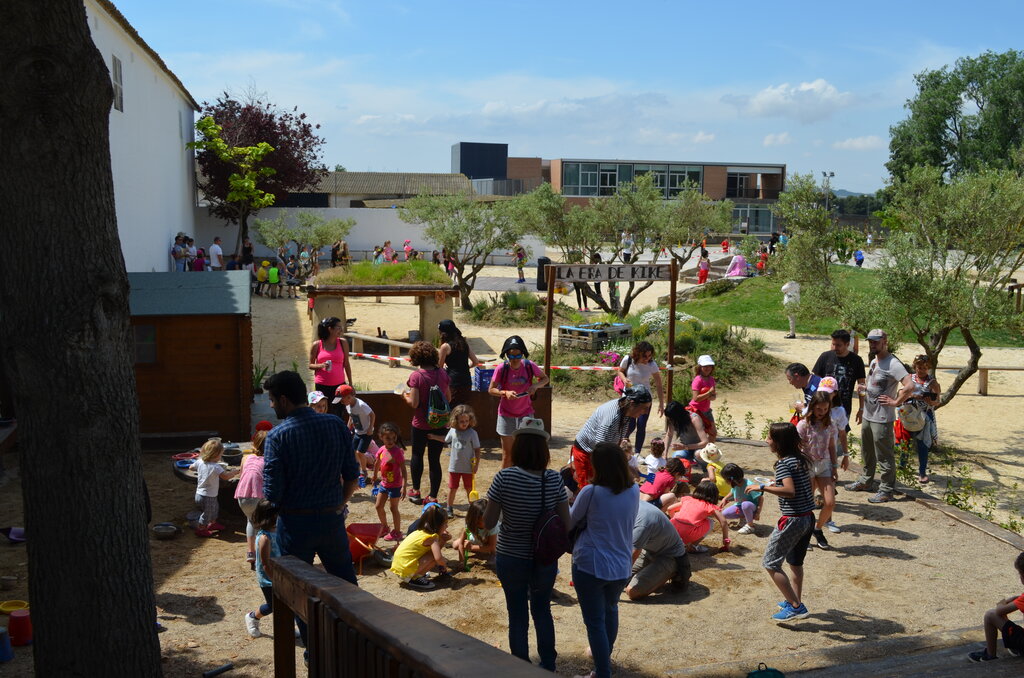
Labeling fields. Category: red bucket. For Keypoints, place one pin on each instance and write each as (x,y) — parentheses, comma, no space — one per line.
(361,539)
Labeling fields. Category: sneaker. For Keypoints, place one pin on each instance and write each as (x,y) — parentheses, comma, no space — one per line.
(429,500)
(421,583)
(414,497)
(789,336)
(216,526)
(451,513)
(819,537)
(250,557)
(880,498)
(790,613)
(252,625)
(1015,653)
(362,480)
(832,527)
(393,535)
(746,529)
(858,486)
(981,656)
(203,532)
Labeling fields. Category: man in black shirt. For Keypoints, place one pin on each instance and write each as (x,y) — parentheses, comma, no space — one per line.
(847,368)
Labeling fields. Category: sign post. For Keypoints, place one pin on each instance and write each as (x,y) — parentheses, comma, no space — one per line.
(671,330)
(547,325)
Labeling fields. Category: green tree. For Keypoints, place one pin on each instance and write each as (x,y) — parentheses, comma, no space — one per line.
(964,118)
(689,216)
(469,229)
(308,229)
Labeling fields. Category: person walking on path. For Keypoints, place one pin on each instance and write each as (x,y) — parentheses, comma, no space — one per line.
(790,300)
(889,385)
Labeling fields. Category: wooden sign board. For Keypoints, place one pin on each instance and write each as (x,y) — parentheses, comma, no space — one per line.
(582,273)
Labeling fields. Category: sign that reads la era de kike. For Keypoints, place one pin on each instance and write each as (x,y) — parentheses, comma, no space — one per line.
(583,273)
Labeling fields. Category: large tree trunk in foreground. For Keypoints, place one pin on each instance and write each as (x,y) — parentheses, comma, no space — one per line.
(65,350)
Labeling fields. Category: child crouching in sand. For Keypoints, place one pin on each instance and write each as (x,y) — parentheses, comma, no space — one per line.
(996,620)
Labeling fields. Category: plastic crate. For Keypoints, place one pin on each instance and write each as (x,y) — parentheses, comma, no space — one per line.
(592,337)
(482,378)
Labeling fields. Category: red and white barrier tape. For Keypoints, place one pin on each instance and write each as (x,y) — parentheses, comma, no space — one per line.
(581,368)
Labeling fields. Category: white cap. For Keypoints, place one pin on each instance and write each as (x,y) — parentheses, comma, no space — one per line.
(705,360)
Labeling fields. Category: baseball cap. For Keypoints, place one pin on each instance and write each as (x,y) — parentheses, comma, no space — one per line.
(315,397)
(705,360)
(876,334)
(343,391)
(828,385)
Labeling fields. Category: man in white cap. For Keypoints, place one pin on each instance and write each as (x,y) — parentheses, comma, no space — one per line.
(888,386)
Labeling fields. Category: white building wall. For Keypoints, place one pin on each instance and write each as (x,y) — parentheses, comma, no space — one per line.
(373,226)
(153,172)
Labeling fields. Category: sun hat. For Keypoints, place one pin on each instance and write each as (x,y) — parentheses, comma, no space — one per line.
(828,385)
(876,334)
(710,454)
(315,397)
(531,426)
(705,361)
(637,394)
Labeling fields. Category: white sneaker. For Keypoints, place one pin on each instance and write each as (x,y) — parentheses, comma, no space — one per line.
(746,529)
(832,527)
(252,625)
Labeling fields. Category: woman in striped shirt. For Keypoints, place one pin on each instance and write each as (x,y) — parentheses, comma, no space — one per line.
(608,424)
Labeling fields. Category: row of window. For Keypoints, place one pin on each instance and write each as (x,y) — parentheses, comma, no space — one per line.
(592,178)
(752,219)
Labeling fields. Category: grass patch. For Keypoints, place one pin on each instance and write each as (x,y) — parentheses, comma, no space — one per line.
(757,302)
(366,273)
(518,309)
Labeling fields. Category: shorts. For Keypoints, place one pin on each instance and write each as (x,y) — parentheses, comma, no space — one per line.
(506,426)
(454,478)
(362,441)
(822,468)
(788,542)
(690,533)
(391,492)
(650,572)
(1013,637)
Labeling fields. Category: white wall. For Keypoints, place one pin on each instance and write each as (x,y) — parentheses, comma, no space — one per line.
(373,227)
(153,171)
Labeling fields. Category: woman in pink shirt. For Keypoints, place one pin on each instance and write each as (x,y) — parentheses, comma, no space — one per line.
(328,357)
(417,396)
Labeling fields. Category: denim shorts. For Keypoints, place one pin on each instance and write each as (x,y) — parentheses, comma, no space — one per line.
(391,492)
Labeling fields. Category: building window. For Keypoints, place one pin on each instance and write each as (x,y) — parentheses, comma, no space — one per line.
(753,219)
(737,186)
(588,178)
(609,179)
(681,177)
(571,178)
(145,344)
(117,78)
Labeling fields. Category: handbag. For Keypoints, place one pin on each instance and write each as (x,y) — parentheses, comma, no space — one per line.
(550,537)
(619,384)
(912,416)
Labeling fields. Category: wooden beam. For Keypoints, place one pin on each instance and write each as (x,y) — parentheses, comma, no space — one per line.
(550,271)
(671,329)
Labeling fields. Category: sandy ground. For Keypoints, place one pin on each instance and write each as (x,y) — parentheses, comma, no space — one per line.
(870,586)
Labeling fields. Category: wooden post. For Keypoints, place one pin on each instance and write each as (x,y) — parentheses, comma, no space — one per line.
(982,381)
(284,649)
(550,271)
(671,329)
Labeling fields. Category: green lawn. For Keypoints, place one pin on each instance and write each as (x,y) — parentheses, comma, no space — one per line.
(366,273)
(758,303)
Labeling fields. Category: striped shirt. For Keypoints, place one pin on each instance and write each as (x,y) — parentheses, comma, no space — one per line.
(518,492)
(803,501)
(607,424)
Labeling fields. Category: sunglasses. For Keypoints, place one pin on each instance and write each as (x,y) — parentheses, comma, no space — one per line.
(514,356)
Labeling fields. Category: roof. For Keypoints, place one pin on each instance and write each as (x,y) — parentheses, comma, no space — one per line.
(690,163)
(400,202)
(210,293)
(116,15)
(393,183)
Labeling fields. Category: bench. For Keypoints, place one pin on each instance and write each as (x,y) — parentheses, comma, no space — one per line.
(983,375)
(394,347)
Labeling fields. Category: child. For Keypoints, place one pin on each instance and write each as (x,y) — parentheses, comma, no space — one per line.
(200,262)
(476,539)
(465,453)
(390,469)
(657,491)
(996,620)
(692,517)
(317,402)
(818,436)
(265,519)
(703,267)
(421,550)
(841,421)
(209,472)
(656,459)
(408,249)
(791,536)
(250,491)
(711,457)
(361,420)
(632,460)
(741,500)
(378,255)
(389,252)
(703,387)
(261,278)
(274,281)
(519,255)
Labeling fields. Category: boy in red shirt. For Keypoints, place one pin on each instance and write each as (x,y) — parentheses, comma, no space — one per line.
(996,620)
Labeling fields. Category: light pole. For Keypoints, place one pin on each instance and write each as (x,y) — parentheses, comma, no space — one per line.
(826,177)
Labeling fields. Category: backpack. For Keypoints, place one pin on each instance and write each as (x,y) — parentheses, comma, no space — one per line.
(438,409)
(763,671)
(550,538)
(912,416)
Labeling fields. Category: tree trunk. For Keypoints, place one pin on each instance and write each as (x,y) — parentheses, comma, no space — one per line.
(966,371)
(66,350)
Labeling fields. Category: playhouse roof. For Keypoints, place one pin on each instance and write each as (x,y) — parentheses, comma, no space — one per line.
(207,293)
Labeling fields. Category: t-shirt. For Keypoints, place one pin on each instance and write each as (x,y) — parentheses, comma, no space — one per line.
(463,449)
(662,483)
(519,493)
(639,373)
(846,370)
(261,274)
(250,482)
(359,414)
(423,379)
(884,377)
(273,275)
(508,379)
(653,532)
(803,500)
(405,562)
(392,461)
(840,420)
(693,511)
(209,477)
(1019,602)
(699,385)
(606,425)
(811,388)
(275,550)
(216,255)
(604,548)
(654,463)
(816,438)
(791,293)
(721,483)
(742,494)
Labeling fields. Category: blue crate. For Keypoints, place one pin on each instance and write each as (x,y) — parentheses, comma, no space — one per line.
(482,378)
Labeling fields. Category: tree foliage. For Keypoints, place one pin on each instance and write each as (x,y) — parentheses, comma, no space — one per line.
(305,228)
(296,161)
(865,205)
(689,216)
(963,119)
(469,229)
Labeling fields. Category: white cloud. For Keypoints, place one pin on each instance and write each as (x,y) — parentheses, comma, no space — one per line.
(806,102)
(780,139)
(867,143)
(703,137)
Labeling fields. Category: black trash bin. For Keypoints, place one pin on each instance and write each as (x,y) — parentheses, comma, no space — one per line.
(542,280)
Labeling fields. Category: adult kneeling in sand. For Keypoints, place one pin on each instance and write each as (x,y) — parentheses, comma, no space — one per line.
(608,424)
(659,555)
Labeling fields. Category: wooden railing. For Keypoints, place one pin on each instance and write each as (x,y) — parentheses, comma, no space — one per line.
(355,634)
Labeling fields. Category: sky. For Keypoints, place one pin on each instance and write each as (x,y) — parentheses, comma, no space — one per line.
(395,84)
